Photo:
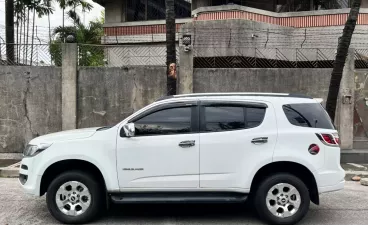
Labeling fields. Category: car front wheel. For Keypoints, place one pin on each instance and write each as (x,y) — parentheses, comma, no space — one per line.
(74,197)
(282,199)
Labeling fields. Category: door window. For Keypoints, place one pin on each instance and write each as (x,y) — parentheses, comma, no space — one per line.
(225,118)
(164,122)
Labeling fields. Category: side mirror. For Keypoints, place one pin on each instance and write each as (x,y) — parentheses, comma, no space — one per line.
(129,129)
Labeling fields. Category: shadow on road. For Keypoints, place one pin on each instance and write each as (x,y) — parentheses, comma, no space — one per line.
(181,212)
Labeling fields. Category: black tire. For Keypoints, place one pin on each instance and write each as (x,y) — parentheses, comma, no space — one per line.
(267,184)
(97,192)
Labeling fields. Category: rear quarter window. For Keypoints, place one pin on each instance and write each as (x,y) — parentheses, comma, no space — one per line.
(308,115)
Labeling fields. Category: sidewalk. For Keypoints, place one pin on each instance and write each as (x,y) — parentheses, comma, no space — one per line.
(353,169)
(9,164)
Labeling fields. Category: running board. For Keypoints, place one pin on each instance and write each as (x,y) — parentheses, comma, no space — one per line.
(179,197)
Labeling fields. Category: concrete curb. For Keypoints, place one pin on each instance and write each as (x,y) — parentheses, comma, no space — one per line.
(11,171)
(11,156)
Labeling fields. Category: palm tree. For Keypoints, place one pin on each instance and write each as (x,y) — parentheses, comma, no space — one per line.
(170,45)
(90,34)
(49,5)
(342,52)
(28,4)
(72,4)
(19,15)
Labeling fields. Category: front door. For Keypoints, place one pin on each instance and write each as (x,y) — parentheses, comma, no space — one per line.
(164,153)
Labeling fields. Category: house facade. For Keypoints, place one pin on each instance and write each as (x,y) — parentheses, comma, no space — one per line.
(140,17)
(135,30)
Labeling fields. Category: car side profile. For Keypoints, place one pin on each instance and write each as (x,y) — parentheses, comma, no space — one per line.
(278,150)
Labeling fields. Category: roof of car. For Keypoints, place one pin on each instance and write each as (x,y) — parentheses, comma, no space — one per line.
(236,94)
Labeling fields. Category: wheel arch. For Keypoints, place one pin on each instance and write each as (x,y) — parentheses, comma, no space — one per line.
(61,166)
(296,169)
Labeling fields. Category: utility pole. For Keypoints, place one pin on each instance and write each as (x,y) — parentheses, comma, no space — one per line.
(170,47)
(9,31)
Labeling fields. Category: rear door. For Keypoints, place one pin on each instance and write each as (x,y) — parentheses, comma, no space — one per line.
(236,138)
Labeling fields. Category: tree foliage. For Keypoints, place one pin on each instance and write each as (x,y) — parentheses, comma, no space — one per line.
(88,37)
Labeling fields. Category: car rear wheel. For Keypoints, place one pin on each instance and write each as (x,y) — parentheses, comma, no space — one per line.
(282,199)
(75,197)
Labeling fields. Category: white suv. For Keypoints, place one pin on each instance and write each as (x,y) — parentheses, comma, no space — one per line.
(280,150)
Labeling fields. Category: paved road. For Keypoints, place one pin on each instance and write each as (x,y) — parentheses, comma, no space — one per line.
(349,206)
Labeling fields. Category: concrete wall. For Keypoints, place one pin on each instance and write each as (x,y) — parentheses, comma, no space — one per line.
(30,104)
(239,37)
(200,3)
(364,4)
(114,11)
(361,106)
(108,95)
(313,82)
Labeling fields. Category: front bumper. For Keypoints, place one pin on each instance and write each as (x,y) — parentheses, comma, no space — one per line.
(32,184)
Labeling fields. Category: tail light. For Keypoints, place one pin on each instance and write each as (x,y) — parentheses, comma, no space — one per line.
(336,138)
(329,139)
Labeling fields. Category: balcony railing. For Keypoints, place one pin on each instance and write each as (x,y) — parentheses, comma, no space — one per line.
(319,18)
(133,32)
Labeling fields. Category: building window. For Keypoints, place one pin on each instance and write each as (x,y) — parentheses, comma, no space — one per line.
(286,5)
(140,10)
(156,10)
(136,10)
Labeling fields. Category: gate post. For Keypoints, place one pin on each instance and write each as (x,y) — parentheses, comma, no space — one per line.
(345,122)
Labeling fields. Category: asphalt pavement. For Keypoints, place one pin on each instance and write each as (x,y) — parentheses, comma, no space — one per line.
(346,207)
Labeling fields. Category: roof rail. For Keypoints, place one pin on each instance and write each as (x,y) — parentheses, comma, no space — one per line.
(235,94)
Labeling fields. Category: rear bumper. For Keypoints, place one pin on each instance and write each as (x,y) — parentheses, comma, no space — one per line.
(331,188)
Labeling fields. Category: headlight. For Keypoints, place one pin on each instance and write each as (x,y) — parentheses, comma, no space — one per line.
(32,150)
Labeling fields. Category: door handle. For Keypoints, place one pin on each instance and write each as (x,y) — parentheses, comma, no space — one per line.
(260,140)
(187,144)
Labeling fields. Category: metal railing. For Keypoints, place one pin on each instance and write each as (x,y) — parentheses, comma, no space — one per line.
(121,55)
(228,57)
(151,55)
(30,55)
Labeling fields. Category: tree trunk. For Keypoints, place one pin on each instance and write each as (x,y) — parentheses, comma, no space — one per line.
(27,36)
(63,25)
(9,32)
(48,15)
(342,52)
(24,34)
(170,47)
(17,42)
(20,38)
(33,26)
